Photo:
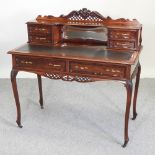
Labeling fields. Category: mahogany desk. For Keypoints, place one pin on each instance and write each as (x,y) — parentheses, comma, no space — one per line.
(74,63)
(82,46)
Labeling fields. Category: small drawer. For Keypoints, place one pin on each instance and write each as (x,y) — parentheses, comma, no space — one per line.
(40,39)
(121,44)
(39,29)
(41,64)
(97,69)
(116,34)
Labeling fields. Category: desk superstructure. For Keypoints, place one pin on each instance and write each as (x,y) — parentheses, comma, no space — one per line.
(82,46)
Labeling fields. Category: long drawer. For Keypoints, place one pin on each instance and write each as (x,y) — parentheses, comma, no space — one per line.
(41,64)
(98,70)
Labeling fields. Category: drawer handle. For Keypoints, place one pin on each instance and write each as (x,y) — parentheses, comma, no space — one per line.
(54,65)
(76,67)
(40,29)
(125,37)
(125,34)
(125,44)
(115,74)
(107,70)
(99,73)
(83,68)
(115,71)
(40,38)
(112,70)
(26,62)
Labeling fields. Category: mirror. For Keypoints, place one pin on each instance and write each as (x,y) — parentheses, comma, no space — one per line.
(85,34)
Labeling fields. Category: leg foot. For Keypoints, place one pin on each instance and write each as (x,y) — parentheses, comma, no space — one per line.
(41,104)
(125,143)
(19,124)
(134,116)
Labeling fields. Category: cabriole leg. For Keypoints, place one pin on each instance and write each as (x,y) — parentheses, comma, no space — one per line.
(128,86)
(40,90)
(16,96)
(136,92)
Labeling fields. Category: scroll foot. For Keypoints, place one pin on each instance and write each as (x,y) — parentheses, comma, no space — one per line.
(19,124)
(125,143)
(134,116)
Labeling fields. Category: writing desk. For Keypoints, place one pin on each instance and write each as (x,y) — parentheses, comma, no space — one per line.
(72,60)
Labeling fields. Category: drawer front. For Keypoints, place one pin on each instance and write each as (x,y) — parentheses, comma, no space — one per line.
(41,64)
(121,44)
(40,39)
(97,69)
(116,34)
(39,29)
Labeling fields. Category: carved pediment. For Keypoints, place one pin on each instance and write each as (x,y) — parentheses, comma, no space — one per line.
(84,14)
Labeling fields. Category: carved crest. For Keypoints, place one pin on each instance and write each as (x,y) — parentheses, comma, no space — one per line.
(84,14)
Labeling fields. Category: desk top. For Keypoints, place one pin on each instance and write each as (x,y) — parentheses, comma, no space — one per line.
(87,53)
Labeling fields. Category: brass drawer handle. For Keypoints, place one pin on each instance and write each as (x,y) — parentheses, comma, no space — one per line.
(38,38)
(26,62)
(115,71)
(42,38)
(115,75)
(99,73)
(57,65)
(124,44)
(108,70)
(40,29)
(76,67)
(118,71)
(54,65)
(83,68)
(126,34)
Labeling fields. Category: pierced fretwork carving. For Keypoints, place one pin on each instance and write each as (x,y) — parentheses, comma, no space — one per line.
(68,77)
(52,76)
(83,79)
(84,14)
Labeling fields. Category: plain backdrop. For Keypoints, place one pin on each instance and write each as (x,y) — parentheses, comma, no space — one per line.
(15,13)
